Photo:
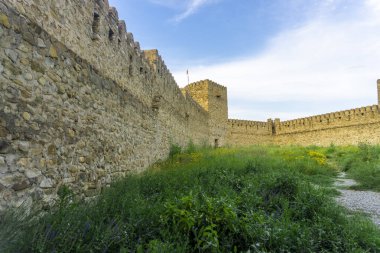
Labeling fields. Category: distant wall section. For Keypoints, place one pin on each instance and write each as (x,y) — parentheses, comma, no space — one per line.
(340,128)
(349,127)
(245,132)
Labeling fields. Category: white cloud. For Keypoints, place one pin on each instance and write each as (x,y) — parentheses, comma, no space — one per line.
(192,7)
(375,4)
(188,7)
(323,61)
(170,3)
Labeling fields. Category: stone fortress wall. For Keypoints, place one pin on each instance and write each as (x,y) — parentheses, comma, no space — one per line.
(360,125)
(245,132)
(81,104)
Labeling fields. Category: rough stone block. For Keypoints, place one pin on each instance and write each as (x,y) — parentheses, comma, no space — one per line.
(53,52)
(32,173)
(26,116)
(5,147)
(47,183)
(36,66)
(4,20)
(21,186)
(41,43)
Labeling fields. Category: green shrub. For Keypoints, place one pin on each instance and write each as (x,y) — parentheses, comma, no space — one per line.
(191,148)
(174,150)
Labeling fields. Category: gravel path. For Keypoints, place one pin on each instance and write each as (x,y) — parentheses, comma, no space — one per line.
(365,201)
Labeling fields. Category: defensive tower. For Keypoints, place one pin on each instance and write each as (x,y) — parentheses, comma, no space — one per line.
(213,98)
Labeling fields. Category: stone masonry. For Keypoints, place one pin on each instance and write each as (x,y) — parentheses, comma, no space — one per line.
(81,105)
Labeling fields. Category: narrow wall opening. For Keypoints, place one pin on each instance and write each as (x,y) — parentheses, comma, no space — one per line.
(95,26)
(216,143)
(130,69)
(111,34)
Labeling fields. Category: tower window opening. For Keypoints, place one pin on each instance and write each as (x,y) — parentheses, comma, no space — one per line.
(110,35)
(130,70)
(95,26)
(216,143)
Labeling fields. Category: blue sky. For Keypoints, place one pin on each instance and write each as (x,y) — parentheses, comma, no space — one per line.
(278,58)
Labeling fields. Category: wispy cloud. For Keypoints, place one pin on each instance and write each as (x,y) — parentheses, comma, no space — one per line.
(192,7)
(187,7)
(325,61)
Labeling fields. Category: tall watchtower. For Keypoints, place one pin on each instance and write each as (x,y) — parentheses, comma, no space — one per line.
(213,98)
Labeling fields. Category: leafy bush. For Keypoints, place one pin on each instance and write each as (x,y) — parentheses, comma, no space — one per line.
(190,148)
(174,150)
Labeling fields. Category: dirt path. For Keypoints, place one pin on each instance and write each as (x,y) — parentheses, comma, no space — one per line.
(364,201)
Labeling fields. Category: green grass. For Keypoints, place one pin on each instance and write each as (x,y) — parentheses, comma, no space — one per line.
(259,199)
(361,163)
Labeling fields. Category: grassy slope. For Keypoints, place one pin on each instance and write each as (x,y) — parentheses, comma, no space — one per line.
(361,163)
(224,200)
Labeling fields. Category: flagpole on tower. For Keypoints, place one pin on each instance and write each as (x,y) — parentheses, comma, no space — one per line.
(188,78)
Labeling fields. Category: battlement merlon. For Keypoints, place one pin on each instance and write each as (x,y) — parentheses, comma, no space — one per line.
(247,122)
(362,111)
(206,81)
(156,62)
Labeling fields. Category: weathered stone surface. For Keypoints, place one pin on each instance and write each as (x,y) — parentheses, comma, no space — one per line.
(36,66)
(9,180)
(7,64)
(3,165)
(74,169)
(71,133)
(47,183)
(3,132)
(28,77)
(42,81)
(41,43)
(52,150)
(32,173)
(2,161)
(69,180)
(53,52)
(12,55)
(26,116)
(23,162)
(28,37)
(24,146)
(21,185)
(24,48)
(4,20)
(5,147)
(11,159)
(26,94)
